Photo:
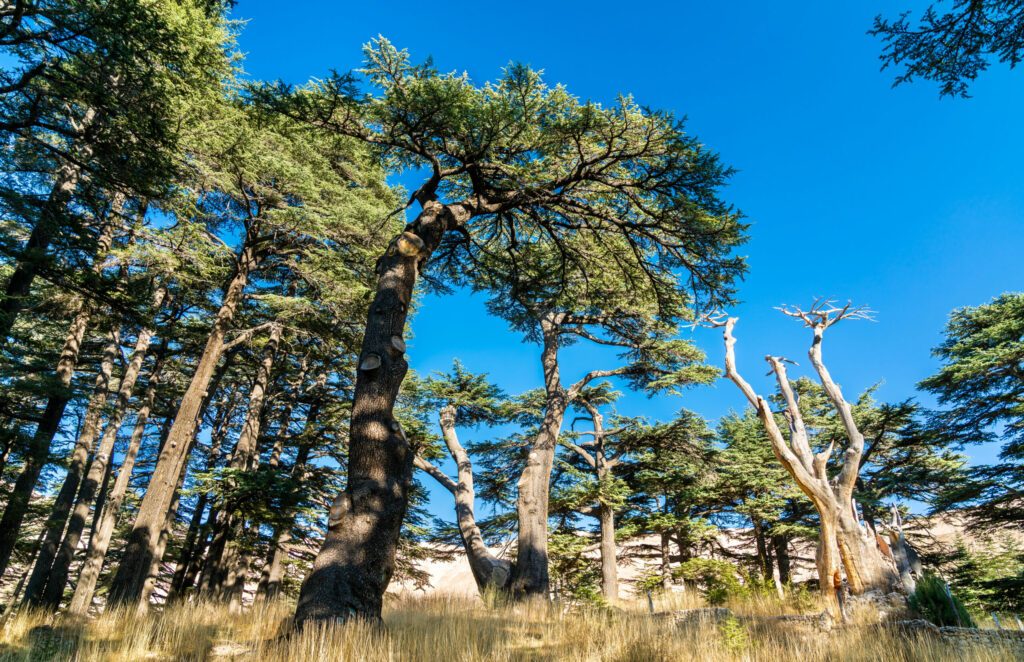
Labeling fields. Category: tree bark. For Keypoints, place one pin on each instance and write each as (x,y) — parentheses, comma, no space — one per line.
(233,562)
(357,559)
(828,563)
(99,541)
(780,544)
(145,536)
(79,461)
(763,562)
(39,447)
(530,573)
(153,576)
(99,466)
(666,560)
(195,539)
(489,571)
(863,562)
(602,465)
(609,555)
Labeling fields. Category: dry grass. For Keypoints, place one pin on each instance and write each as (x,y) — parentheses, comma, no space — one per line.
(423,630)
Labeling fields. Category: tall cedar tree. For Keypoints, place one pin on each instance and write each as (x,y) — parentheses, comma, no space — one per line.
(507,164)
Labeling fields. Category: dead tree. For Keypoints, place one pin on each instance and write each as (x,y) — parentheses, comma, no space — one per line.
(842,539)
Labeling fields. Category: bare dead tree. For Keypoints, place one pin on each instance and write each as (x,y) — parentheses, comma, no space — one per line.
(842,540)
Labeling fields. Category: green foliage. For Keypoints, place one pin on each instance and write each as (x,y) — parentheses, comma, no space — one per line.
(981,388)
(990,576)
(718,580)
(954,46)
(733,633)
(933,601)
(574,575)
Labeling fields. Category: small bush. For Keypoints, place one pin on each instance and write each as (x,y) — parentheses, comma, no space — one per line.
(933,601)
(717,579)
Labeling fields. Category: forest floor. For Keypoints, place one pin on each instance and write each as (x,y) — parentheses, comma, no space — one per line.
(428,629)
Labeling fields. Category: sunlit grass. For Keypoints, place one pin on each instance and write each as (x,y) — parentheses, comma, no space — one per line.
(428,629)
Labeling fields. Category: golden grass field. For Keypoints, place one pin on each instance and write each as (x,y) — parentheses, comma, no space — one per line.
(427,629)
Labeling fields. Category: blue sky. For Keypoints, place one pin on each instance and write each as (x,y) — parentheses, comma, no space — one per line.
(894,198)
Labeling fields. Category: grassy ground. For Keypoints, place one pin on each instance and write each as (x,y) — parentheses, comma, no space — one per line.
(423,630)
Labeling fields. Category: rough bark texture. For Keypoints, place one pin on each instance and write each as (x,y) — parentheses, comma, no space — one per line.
(489,571)
(357,559)
(99,541)
(98,469)
(80,459)
(609,560)
(143,542)
(530,573)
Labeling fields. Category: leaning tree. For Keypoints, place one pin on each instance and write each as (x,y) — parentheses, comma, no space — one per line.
(842,539)
(462,398)
(507,164)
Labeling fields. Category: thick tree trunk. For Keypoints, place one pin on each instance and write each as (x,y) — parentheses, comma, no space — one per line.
(166,531)
(145,536)
(763,562)
(98,468)
(828,564)
(530,573)
(357,559)
(609,555)
(99,541)
(50,221)
(79,461)
(866,568)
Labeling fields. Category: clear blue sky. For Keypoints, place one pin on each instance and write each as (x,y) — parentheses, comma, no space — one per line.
(890,197)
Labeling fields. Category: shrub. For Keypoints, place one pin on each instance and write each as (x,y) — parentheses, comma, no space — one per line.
(717,579)
(933,601)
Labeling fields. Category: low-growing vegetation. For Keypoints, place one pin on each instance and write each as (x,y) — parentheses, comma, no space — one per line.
(448,630)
